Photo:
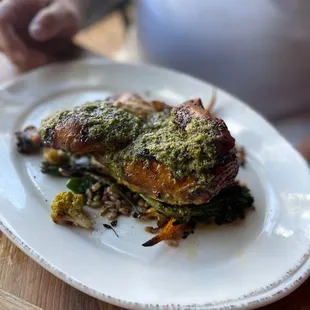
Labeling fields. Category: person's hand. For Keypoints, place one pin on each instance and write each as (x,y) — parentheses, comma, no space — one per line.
(35,32)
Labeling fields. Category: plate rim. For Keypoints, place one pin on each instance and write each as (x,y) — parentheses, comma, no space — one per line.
(241,303)
(236,304)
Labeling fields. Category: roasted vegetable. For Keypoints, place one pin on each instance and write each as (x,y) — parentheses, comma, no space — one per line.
(168,232)
(67,166)
(68,207)
(55,156)
(229,205)
(28,141)
(51,169)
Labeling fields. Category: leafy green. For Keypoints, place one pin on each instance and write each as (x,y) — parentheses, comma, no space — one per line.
(50,168)
(80,185)
(229,205)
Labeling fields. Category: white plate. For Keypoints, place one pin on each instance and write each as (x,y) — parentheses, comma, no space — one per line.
(248,264)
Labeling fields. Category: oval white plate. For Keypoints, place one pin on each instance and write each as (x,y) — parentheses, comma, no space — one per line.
(244,265)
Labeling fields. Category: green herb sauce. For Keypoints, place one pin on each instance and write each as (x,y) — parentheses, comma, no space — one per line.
(101,121)
(126,137)
(185,151)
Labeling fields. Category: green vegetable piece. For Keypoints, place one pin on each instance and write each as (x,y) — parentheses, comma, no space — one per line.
(50,168)
(229,205)
(79,185)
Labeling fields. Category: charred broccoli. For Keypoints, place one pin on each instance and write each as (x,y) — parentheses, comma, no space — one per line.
(68,207)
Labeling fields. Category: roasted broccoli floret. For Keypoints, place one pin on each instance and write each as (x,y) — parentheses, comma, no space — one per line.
(68,207)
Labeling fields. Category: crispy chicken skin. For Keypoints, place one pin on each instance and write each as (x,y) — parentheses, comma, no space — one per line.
(182,157)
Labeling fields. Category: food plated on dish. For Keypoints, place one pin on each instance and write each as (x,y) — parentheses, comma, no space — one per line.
(127,156)
(254,249)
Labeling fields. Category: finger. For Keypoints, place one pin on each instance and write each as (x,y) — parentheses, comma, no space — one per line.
(35,59)
(7,13)
(12,45)
(55,20)
(15,49)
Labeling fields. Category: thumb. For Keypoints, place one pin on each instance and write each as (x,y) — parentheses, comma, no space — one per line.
(52,21)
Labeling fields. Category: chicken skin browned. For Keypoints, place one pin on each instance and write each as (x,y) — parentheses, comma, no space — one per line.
(180,157)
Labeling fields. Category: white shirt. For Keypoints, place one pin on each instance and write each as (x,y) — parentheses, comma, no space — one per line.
(258,50)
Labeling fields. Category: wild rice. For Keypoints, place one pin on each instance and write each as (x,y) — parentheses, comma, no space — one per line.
(141,203)
(112,215)
(113,205)
(96,187)
(89,195)
(95,204)
(97,198)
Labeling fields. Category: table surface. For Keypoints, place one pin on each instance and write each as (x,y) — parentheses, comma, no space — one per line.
(24,285)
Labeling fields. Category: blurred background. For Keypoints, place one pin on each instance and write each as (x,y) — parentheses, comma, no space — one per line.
(109,29)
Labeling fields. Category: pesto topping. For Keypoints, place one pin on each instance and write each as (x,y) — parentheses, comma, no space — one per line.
(101,121)
(189,151)
(184,151)
(126,137)
(155,121)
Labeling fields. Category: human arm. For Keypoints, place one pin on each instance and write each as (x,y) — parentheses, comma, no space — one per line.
(36,32)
